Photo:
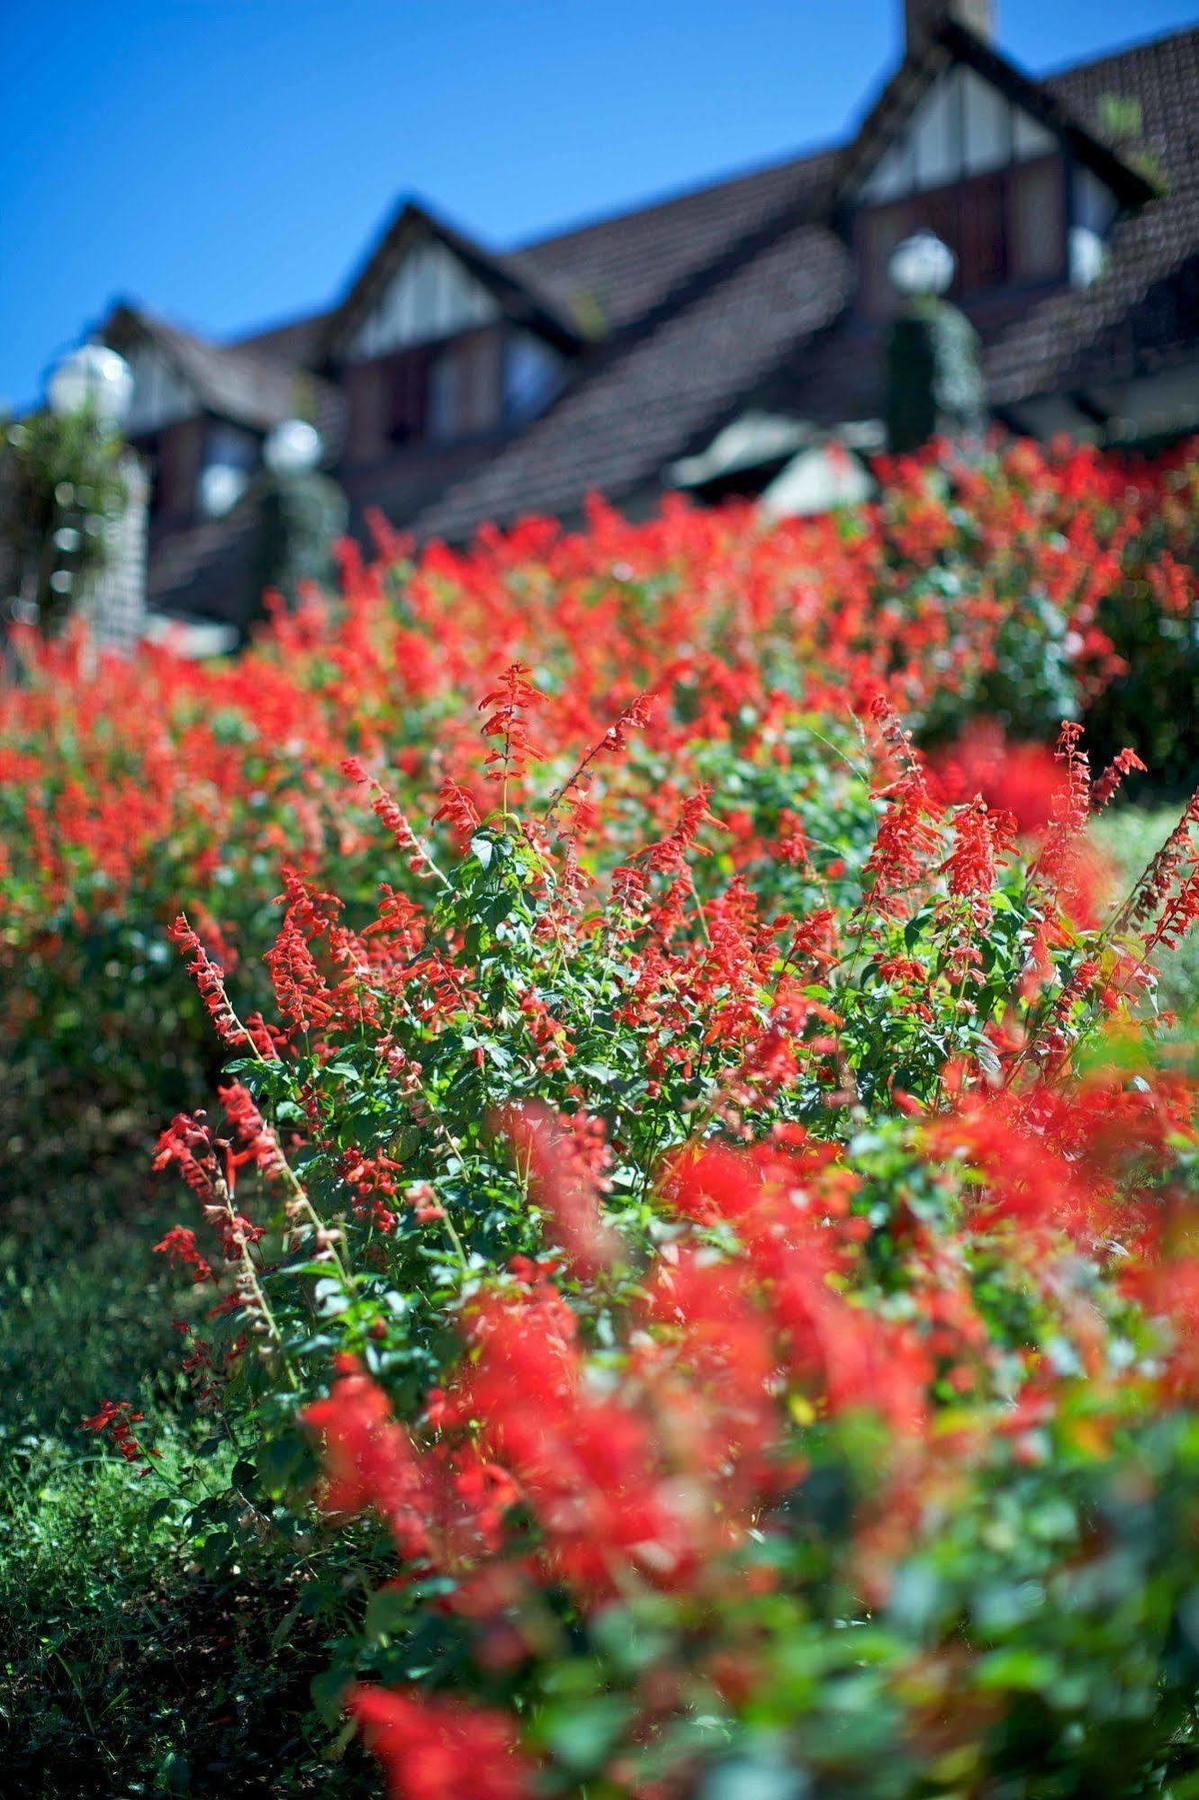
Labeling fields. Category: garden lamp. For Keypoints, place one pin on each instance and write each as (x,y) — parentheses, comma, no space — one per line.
(921,264)
(293,448)
(92,376)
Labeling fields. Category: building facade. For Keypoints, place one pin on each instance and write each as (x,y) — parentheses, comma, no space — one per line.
(701,342)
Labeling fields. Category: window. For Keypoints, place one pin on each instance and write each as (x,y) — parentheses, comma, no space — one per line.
(464,387)
(982,235)
(407,395)
(1006,227)
(989,177)
(230,457)
(532,371)
(448,392)
(1036,221)
(445,397)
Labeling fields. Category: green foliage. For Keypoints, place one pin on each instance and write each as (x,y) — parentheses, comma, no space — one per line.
(1132,836)
(61,487)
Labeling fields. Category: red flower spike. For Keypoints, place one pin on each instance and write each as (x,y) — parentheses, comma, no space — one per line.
(441,1749)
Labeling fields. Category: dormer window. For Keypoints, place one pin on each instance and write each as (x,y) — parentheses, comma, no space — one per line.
(989,179)
(1006,230)
(533,372)
(437,357)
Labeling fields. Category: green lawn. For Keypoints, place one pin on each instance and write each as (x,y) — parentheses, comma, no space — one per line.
(127,1667)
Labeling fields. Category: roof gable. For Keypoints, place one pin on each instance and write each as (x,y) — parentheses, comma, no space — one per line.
(963,125)
(430,295)
(161,393)
(955,106)
(224,380)
(423,279)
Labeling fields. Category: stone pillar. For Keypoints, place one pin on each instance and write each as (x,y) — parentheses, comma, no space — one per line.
(115,607)
(934,380)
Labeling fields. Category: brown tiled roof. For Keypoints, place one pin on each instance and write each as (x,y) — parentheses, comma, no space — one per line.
(684,310)
(692,343)
(295,342)
(617,427)
(630,262)
(1162,76)
(1141,314)
(240,382)
(1145,308)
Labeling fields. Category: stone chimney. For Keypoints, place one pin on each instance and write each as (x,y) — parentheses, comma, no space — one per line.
(922,16)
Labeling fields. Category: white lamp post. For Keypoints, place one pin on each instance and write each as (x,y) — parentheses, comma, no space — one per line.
(95,377)
(95,385)
(293,448)
(221,487)
(934,379)
(921,265)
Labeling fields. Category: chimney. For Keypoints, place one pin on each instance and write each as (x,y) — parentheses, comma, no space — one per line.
(923,16)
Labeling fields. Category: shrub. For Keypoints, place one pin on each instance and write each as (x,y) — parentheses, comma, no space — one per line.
(150,784)
(782,1278)
(688,1276)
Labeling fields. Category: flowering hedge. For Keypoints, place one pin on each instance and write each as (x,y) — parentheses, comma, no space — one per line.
(691,1250)
(1012,589)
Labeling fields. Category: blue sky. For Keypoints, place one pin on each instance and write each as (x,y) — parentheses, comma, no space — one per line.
(228,162)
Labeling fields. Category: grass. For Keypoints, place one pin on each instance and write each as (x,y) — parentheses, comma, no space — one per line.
(128,1670)
(127,1666)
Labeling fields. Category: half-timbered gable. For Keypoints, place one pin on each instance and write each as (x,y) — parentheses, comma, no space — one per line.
(441,343)
(430,296)
(161,396)
(963,145)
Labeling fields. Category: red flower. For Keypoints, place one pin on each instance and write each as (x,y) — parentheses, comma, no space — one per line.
(561,1183)
(117,1418)
(512,703)
(1020,779)
(210,980)
(371,1461)
(440,1749)
(179,1247)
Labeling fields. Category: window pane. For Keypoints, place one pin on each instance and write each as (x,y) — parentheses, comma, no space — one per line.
(1037,221)
(410,370)
(445,397)
(480,354)
(988,126)
(530,376)
(983,247)
(464,387)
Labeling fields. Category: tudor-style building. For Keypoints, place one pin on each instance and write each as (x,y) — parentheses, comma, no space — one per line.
(705,340)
